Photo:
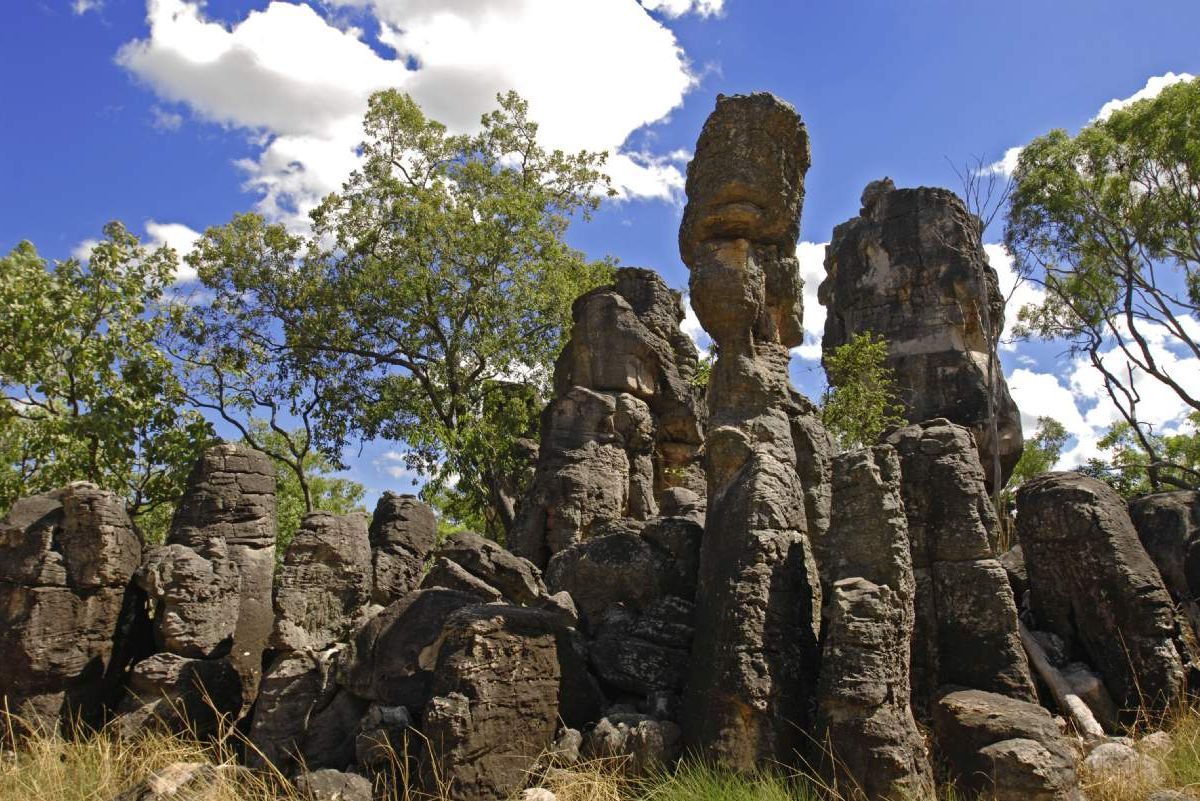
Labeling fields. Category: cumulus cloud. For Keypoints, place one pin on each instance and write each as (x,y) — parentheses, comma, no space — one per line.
(811,256)
(391,463)
(1153,88)
(1018,293)
(164,120)
(677,8)
(1007,164)
(300,83)
(180,238)
(691,326)
(81,7)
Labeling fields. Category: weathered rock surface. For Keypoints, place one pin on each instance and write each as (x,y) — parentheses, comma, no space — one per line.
(626,422)
(1093,584)
(638,745)
(495,700)
(869,742)
(754,657)
(334,785)
(402,534)
(390,659)
(1008,749)
(195,598)
(966,626)
(178,694)
(179,781)
(612,569)
(230,496)
(324,581)
(66,558)
(911,268)
(518,579)
(452,576)
(1168,525)
(302,717)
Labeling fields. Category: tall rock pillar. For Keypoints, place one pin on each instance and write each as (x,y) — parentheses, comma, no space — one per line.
(753,668)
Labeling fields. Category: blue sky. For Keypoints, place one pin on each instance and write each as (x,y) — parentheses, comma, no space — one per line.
(171,115)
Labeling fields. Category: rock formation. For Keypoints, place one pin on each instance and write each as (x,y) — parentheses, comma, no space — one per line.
(626,421)
(1093,585)
(402,534)
(911,268)
(230,496)
(752,674)
(966,624)
(1168,525)
(1004,748)
(870,745)
(66,558)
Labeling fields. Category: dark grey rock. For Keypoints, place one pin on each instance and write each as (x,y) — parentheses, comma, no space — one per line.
(517,579)
(402,534)
(334,785)
(453,576)
(1093,584)
(638,745)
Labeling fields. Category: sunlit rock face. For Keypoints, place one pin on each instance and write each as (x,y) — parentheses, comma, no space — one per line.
(752,672)
(911,268)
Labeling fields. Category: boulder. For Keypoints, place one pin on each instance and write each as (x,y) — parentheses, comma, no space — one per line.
(1168,525)
(517,579)
(1093,584)
(748,694)
(179,781)
(611,569)
(402,534)
(1004,747)
(390,659)
(911,269)
(230,497)
(333,785)
(324,582)
(452,576)
(66,558)
(181,695)
(494,705)
(869,742)
(194,599)
(638,745)
(966,618)
(302,717)
(381,741)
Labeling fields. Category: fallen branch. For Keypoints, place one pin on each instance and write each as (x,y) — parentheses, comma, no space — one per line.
(1071,704)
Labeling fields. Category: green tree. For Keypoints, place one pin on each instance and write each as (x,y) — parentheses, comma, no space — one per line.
(435,280)
(1041,453)
(860,402)
(1128,468)
(1108,224)
(324,490)
(86,392)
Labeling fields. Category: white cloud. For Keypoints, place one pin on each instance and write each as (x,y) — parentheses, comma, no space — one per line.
(301,84)
(811,256)
(691,326)
(1017,293)
(165,120)
(392,463)
(179,237)
(1007,165)
(1153,87)
(677,8)
(81,7)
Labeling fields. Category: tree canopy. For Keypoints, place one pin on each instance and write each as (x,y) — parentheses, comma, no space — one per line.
(861,401)
(432,284)
(1108,223)
(87,392)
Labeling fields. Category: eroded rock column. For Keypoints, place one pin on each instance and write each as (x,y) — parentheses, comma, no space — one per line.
(911,268)
(753,660)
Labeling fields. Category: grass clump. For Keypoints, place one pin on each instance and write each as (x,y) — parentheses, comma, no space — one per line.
(698,781)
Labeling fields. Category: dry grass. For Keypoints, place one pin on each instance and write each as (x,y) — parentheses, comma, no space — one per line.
(1176,767)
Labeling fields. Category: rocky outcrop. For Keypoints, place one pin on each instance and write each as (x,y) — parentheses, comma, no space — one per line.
(495,701)
(869,742)
(911,268)
(517,579)
(66,558)
(1168,525)
(194,599)
(966,620)
(625,424)
(638,745)
(324,582)
(230,497)
(751,674)
(1004,748)
(178,694)
(402,534)
(1093,585)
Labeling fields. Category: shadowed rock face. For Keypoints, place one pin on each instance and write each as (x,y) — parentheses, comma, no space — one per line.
(1093,584)
(402,534)
(1168,524)
(911,268)
(753,661)
(966,620)
(865,726)
(66,558)
(625,425)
